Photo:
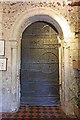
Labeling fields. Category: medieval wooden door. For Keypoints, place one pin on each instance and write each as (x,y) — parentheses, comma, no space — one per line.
(39,66)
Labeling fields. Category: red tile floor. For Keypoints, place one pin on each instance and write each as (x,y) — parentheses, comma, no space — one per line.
(36,112)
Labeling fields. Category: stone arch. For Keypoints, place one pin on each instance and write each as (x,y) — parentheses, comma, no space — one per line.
(22,22)
(40,14)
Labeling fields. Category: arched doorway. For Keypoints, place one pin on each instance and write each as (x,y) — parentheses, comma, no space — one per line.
(40,65)
(23,21)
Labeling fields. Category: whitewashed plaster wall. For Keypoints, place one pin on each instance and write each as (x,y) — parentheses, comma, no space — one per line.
(10,12)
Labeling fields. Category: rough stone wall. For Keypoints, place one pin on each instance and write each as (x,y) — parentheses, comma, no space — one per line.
(79,34)
(10,12)
(0,57)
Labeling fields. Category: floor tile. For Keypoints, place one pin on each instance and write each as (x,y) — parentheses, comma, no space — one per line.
(35,112)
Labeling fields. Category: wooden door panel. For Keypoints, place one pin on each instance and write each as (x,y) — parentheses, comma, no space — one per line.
(39,66)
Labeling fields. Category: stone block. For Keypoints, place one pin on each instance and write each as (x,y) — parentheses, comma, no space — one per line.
(76,64)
